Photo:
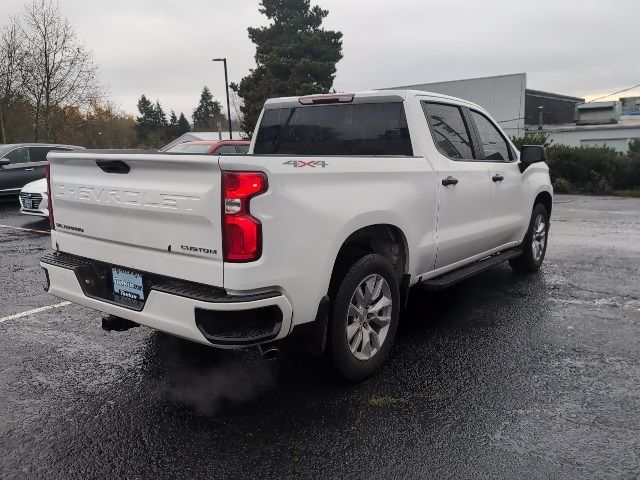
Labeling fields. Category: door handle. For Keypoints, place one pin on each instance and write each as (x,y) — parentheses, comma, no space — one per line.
(113,166)
(497,178)
(449,181)
(28,169)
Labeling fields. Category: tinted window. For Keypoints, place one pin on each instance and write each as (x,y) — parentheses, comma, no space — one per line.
(354,129)
(242,149)
(494,144)
(449,131)
(39,154)
(19,155)
(225,149)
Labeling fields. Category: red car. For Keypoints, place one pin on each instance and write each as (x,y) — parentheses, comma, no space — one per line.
(217,147)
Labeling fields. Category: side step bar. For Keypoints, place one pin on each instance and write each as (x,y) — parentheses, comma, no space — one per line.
(462,273)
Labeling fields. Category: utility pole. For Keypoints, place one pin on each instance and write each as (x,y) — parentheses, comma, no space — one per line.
(226,83)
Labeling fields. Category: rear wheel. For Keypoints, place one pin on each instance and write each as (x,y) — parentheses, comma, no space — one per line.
(364,316)
(534,246)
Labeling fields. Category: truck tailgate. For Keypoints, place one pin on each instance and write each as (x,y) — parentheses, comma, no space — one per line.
(162,210)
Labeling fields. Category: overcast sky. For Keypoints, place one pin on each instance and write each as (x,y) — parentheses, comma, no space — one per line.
(163,48)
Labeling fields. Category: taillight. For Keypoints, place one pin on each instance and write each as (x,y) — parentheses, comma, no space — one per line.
(47,170)
(241,233)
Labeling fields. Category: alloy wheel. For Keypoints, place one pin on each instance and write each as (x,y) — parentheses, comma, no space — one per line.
(539,237)
(369,317)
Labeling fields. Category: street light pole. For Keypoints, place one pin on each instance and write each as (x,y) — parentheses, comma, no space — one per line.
(226,83)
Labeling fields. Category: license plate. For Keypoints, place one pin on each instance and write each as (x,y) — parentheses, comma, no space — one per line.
(28,203)
(127,284)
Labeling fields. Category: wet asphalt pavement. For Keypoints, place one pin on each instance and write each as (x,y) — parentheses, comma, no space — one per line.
(502,376)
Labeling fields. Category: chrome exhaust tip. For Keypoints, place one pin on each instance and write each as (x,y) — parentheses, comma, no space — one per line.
(269,352)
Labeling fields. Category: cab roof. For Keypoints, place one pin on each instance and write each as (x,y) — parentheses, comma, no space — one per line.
(369,96)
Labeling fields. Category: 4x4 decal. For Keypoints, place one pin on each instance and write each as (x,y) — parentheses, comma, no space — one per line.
(302,163)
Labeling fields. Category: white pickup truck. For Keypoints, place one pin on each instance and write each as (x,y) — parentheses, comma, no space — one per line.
(312,239)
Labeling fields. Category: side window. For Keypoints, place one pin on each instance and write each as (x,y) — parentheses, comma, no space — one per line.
(242,149)
(19,155)
(225,149)
(39,154)
(449,130)
(495,146)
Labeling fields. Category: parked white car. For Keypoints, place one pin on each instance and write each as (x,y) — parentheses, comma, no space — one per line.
(312,239)
(34,199)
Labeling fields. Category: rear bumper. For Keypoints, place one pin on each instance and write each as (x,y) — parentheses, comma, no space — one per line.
(214,318)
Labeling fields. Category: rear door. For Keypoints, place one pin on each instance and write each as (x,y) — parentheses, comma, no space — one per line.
(157,213)
(507,208)
(18,173)
(464,187)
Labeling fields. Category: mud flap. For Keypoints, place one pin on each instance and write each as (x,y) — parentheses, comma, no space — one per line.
(311,337)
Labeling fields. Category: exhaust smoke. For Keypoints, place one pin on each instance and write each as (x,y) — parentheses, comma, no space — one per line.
(230,381)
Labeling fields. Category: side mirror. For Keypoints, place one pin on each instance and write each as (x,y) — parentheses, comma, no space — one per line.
(4,161)
(530,154)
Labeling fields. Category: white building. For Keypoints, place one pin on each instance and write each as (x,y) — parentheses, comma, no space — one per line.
(598,113)
(616,135)
(503,96)
(519,110)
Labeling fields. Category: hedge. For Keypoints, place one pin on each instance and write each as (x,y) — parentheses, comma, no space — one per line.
(594,170)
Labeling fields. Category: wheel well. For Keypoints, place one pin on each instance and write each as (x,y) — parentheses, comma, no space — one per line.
(386,240)
(545,199)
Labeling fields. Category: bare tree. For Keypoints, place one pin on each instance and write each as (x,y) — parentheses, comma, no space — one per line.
(11,58)
(236,105)
(59,71)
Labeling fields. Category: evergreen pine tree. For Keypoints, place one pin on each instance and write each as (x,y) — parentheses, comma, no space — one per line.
(145,122)
(183,125)
(294,56)
(159,117)
(208,112)
(173,125)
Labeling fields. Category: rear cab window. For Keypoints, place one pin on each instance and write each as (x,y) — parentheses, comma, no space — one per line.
(39,154)
(361,129)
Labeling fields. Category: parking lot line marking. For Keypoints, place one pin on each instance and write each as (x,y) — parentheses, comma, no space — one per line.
(33,311)
(25,229)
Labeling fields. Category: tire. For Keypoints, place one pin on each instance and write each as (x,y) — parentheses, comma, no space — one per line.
(360,337)
(534,245)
